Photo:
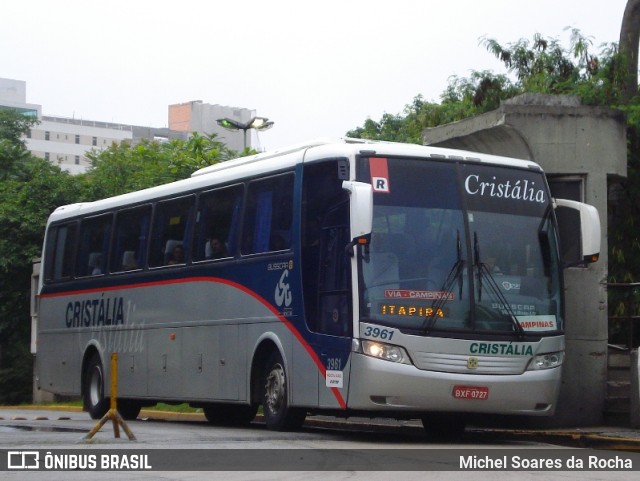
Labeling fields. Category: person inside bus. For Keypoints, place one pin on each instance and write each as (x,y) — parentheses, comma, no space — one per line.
(216,249)
(177,255)
(95,264)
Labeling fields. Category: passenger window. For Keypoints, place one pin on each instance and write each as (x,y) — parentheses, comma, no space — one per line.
(217,223)
(94,246)
(130,241)
(170,235)
(61,249)
(268,215)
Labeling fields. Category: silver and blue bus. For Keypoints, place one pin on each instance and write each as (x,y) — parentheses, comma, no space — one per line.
(346,277)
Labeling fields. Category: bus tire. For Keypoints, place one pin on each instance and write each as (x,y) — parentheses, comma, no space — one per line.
(230,414)
(95,402)
(278,415)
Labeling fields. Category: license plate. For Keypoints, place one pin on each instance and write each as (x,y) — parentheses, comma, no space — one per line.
(471,392)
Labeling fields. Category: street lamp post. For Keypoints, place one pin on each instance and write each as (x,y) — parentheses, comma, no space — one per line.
(256,123)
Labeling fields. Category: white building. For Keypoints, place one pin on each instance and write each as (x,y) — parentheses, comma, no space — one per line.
(66,141)
(61,140)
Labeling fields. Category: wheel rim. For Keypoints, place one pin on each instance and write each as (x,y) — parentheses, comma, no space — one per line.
(275,389)
(95,386)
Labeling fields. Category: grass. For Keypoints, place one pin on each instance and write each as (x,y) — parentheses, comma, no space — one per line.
(174,408)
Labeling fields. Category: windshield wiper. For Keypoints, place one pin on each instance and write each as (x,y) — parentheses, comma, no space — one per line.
(485,273)
(445,290)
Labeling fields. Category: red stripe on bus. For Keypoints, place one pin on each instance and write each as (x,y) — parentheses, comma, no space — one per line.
(219,280)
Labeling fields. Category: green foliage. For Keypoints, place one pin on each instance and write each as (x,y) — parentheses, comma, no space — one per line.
(30,189)
(12,148)
(463,98)
(545,66)
(127,167)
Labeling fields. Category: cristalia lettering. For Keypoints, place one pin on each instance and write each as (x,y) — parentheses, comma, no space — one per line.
(504,349)
(95,312)
(519,190)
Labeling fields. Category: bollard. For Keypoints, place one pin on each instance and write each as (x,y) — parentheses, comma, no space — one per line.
(113,413)
(634,397)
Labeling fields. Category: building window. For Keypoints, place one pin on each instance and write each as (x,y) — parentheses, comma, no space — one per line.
(46,135)
(94,141)
(29,134)
(46,156)
(77,160)
(77,139)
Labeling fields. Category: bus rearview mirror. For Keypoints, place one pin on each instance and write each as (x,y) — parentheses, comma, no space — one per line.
(361,208)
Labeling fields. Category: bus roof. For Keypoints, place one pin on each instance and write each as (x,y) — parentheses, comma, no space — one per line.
(322,148)
(263,163)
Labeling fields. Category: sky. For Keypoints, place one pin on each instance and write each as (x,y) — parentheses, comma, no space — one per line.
(317,69)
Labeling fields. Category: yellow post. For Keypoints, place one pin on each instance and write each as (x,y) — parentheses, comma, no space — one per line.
(113,413)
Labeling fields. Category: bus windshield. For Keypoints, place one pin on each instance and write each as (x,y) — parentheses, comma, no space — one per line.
(459,247)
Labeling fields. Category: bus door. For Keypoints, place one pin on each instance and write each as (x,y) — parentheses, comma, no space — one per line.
(326,278)
(334,326)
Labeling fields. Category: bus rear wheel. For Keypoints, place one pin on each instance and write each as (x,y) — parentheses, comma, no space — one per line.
(93,396)
(230,414)
(278,415)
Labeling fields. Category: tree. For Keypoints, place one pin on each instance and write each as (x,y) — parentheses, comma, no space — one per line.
(12,148)
(126,167)
(31,188)
(463,98)
(629,39)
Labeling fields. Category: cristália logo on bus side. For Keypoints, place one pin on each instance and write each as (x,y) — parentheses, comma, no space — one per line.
(283,295)
(519,190)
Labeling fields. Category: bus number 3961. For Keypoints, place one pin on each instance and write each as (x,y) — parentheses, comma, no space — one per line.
(378,333)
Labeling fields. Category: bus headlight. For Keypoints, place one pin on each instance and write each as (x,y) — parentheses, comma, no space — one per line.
(546,361)
(388,352)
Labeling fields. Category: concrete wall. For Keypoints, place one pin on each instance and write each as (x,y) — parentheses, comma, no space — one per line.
(565,138)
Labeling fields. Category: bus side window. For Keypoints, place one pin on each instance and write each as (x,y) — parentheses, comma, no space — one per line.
(61,248)
(268,215)
(94,245)
(130,241)
(217,220)
(170,235)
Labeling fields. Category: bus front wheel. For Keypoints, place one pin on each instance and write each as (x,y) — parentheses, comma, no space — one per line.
(94,401)
(278,415)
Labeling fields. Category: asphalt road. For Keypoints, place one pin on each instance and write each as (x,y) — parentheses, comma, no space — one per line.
(186,447)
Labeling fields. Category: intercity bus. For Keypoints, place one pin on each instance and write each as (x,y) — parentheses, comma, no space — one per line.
(347,277)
